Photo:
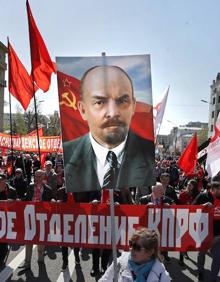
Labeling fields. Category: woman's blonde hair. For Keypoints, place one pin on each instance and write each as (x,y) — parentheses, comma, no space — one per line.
(149,240)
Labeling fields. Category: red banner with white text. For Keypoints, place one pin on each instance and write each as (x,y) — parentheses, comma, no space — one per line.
(29,143)
(181,228)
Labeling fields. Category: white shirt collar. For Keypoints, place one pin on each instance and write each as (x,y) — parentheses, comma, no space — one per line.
(101,152)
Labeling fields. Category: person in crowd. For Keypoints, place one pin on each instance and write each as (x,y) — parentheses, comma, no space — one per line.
(174,174)
(59,175)
(169,191)
(48,157)
(186,197)
(59,159)
(19,161)
(103,256)
(50,177)
(19,183)
(37,192)
(62,197)
(157,197)
(210,198)
(6,193)
(36,163)
(28,168)
(142,263)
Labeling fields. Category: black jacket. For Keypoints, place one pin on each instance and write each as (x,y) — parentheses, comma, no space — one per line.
(203,198)
(147,199)
(9,193)
(137,167)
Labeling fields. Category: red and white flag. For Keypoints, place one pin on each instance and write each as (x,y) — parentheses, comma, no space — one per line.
(213,151)
(160,109)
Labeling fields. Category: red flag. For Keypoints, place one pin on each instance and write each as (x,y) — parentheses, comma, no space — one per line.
(188,159)
(42,65)
(20,83)
(43,159)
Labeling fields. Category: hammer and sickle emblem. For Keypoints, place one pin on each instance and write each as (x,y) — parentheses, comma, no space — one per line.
(69,101)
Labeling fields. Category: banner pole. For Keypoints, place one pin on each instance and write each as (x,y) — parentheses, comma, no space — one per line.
(112,213)
(113,237)
(10,114)
(36,121)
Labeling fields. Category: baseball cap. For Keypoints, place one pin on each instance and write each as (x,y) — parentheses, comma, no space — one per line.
(48,163)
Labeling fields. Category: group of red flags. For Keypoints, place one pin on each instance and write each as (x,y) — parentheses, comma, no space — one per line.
(22,85)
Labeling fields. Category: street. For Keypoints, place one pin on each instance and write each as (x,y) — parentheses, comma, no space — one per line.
(51,269)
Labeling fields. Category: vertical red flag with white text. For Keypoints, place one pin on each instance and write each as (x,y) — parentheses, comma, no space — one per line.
(42,65)
(188,160)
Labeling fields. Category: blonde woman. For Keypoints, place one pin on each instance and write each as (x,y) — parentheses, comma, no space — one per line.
(142,263)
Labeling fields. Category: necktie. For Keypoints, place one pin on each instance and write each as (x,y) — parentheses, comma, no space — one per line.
(110,177)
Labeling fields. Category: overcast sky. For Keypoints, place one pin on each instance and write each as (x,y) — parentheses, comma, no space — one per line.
(182,38)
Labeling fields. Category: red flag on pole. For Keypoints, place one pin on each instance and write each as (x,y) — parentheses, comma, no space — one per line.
(20,83)
(188,159)
(42,65)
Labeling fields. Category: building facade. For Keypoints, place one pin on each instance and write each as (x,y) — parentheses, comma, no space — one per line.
(3,68)
(214,104)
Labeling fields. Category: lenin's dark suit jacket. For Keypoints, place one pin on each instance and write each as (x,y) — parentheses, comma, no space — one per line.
(137,167)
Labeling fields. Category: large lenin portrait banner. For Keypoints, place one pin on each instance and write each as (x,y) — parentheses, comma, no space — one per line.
(107,122)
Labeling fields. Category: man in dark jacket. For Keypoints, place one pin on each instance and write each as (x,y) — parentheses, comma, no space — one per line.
(157,197)
(169,191)
(210,198)
(6,193)
(19,183)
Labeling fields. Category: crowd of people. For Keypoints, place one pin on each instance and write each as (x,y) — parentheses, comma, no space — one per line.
(29,182)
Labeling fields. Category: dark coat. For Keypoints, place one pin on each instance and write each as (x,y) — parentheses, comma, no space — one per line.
(46,196)
(204,198)
(171,193)
(20,185)
(137,167)
(147,199)
(9,193)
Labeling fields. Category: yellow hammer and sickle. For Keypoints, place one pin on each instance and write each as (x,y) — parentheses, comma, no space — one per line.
(69,101)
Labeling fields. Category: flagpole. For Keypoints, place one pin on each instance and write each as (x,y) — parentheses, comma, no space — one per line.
(10,115)
(112,215)
(35,103)
(36,120)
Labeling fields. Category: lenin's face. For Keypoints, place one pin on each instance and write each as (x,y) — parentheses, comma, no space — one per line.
(107,105)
